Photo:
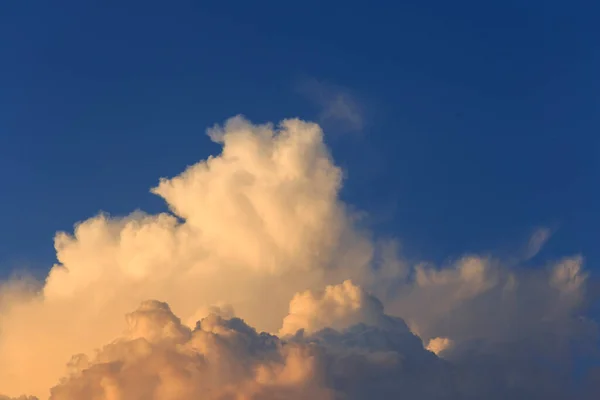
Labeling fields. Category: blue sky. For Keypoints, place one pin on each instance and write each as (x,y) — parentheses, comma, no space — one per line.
(478,121)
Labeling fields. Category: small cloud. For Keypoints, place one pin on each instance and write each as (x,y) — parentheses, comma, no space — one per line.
(537,242)
(438,345)
(338,105)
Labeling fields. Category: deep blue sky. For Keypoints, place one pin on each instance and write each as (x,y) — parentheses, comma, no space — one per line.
(481,118)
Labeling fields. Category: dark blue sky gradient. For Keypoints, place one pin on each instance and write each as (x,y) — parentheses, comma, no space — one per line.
(482,118)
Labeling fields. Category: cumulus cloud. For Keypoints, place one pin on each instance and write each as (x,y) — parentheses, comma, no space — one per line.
(249,228)
(257,242)
(479,298)
(160,358)
(337,307)
(439,345)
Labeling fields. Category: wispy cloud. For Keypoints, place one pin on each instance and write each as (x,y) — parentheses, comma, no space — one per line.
(338,105)
(537,241)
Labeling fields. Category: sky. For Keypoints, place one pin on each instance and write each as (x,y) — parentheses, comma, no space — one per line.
(480,119)
(461,127)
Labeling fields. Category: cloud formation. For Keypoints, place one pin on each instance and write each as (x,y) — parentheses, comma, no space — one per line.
(257,242)
(248,228)
(160,358)
(337,307)
(337,105)
(537,242)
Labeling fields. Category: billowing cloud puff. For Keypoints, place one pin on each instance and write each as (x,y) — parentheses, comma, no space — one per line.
(337,307)
(160,358)
(249,229)
(478,298)
(439,345)
(257,240)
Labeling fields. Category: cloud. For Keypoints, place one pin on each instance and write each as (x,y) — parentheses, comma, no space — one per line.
(439,345)
(537,242)
(160,358)
(476,298)
(257,242)
(338,107)
(18,398)
(337,307)
(249,228)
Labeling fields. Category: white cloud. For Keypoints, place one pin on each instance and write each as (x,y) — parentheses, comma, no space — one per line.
(256,228)
(160,358)
(252,227)
(337,307)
